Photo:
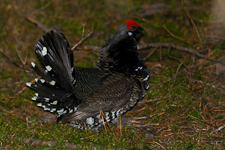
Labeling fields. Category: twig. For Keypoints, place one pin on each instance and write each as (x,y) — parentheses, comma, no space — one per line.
(157,114)
(38,24)
(159,145)
(193,24)
(135,119)
(168,54)
(13,62)
(176,75)
(150,100)
(22,90)
(120,125)
(83,38)
(101,113)
(141,118)
(147,125)
(180,48)
(104,126)
(22,62)
(220,128)
(150,54)
(171,34)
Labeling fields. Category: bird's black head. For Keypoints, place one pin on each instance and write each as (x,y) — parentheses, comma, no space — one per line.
(119,52)
(133,28)
(129,31)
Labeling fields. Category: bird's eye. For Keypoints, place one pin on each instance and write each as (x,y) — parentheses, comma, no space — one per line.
(132,28)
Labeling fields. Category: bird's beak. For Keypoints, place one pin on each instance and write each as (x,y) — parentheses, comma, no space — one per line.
(138,32)
(140,28)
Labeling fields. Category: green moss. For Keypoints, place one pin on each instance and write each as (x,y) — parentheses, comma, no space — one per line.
(5,75)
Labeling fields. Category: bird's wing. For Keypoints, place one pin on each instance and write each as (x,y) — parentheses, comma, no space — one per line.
(88,81)
(142,73)
(117,95)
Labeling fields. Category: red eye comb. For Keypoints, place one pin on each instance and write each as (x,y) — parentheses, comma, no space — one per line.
(130,23)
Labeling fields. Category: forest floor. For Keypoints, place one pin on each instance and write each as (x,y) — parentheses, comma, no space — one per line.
(182,45)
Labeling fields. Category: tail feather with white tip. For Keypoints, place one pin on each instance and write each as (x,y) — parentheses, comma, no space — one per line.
(55,88)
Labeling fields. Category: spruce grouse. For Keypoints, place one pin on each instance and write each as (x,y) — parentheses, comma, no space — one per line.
(78,94)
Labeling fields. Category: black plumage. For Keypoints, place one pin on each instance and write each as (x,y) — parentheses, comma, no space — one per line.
(77,94)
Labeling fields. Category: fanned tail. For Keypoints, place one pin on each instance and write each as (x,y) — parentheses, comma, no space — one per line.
(55,88)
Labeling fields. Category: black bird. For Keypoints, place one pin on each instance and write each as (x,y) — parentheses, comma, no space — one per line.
(78,94)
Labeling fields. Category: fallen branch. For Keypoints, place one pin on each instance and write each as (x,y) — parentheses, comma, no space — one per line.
(83,38)
(147,125)
(180,48)
(38,24)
